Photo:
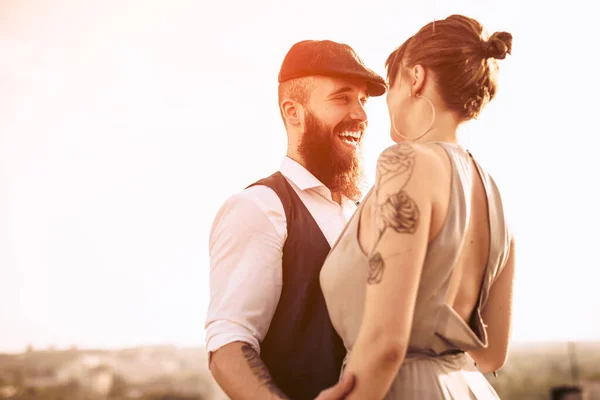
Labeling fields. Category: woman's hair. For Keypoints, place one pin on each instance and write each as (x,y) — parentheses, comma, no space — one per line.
(461,57)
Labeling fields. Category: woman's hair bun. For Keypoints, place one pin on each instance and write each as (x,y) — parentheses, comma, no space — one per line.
(498,45)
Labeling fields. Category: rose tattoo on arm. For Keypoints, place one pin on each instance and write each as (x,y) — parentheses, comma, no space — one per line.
(395,209)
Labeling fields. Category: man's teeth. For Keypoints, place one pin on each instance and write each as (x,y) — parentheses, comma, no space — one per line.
(354,134)
(350,137)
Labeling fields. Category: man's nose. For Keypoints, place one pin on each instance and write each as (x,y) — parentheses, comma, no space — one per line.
(358,113)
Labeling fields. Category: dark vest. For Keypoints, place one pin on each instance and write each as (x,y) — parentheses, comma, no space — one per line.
(302,350)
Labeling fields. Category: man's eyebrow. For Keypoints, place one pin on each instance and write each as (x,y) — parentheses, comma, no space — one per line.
(345,89)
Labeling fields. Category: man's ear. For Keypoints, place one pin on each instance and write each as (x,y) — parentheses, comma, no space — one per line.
(293,112)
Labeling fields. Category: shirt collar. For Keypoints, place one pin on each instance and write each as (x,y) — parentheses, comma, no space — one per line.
(299,175)
(304,180)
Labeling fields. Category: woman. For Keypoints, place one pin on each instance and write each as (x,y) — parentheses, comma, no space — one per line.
(430,239)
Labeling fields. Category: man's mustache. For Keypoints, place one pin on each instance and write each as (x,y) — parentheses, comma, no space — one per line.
(350,125)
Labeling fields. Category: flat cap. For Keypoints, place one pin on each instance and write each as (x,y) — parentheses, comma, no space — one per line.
(329,58)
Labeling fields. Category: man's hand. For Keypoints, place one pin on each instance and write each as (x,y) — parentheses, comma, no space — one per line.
(340,390)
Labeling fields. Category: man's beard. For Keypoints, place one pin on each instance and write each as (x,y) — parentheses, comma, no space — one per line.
(340,171)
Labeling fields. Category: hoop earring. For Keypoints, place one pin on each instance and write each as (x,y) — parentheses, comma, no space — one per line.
(426,131)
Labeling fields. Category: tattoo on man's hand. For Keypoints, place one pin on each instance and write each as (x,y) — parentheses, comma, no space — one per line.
(259,369)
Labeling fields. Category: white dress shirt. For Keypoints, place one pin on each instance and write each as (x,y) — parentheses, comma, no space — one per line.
(246,248)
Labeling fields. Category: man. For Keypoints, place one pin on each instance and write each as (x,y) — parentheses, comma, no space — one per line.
(268,332)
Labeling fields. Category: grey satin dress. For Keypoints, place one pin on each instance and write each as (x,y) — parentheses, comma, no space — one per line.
(436,365)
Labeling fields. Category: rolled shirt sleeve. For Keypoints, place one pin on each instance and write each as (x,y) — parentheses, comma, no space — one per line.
(246,247)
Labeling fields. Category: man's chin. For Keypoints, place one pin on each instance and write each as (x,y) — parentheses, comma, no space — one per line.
(351,182)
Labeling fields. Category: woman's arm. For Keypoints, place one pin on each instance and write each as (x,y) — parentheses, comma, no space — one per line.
(401,216)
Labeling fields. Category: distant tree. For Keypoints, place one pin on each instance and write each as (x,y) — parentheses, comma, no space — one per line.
(29,349)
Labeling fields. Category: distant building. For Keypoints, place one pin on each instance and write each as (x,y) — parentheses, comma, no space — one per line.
(99,380)
(589,390)
(566,392)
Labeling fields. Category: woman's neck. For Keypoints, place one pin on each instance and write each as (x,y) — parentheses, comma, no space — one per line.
(443,130)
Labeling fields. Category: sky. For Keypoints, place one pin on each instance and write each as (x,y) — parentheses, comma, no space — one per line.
(124,126)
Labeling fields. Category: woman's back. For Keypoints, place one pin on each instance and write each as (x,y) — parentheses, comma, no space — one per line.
(470,265)
(468,246)
(469,238)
